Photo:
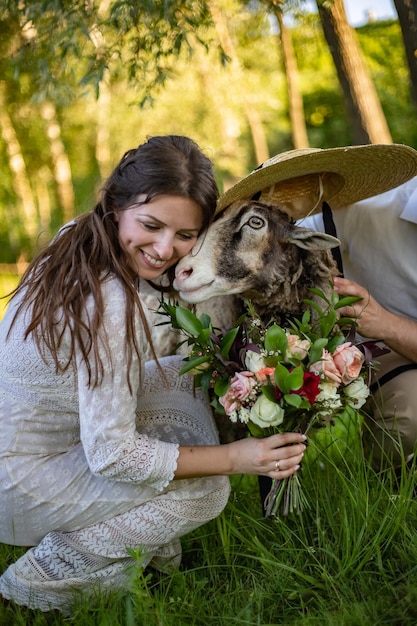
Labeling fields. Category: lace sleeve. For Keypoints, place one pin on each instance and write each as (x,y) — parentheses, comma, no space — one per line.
(112,445)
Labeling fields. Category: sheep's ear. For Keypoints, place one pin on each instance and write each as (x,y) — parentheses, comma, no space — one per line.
(312,239)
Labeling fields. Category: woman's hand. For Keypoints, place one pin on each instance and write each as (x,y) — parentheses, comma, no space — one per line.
(277,456)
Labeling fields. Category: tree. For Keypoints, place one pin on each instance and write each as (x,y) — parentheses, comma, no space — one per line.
(54,41)
(367,119)
(27,215)
(407,16)
(252,115)
(295,99)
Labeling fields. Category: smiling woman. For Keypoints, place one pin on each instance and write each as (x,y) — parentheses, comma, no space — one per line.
(94,437)
(157,233)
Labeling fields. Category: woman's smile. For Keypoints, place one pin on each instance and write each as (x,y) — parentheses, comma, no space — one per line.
(157,233)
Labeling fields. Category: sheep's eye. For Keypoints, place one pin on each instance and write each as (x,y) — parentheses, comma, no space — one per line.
(256,222)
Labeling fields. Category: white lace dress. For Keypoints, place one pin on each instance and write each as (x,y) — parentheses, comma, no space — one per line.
(86,474)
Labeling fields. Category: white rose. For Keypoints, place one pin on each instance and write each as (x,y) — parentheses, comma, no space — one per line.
(329,396)
(357,392)
(254,361)
(265,413)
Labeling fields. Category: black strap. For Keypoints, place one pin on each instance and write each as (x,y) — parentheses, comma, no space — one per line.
(392,374)
(330,229)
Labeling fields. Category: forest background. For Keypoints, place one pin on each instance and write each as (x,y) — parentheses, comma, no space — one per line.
(83,81)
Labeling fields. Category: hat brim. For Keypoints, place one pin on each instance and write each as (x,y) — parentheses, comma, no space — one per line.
(365,171)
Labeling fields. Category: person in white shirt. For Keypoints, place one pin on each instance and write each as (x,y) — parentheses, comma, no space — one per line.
(379,255)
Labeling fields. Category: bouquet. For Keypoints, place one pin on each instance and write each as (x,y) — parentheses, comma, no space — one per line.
(275,378)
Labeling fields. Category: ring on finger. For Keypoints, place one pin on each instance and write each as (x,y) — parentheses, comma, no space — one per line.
(277,468)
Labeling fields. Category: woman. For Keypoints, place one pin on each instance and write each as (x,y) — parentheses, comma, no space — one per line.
(99,451)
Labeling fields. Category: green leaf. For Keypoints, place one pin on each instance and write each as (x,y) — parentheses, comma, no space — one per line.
(227,342)
(204,336)
(276,339)
(192,363)
(269,392)
(188,321)
(305,320)
(293,400)
(316,350)
(314,306)
(295,378)
(271,361)
(320,294)
(256,431)
(285,380)
(221,386)
(206,321)
(347,301)
(327,323)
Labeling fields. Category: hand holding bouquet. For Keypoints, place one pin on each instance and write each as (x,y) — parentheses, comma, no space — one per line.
(276,379)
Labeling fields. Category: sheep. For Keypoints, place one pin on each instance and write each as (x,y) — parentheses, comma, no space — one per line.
(253,249)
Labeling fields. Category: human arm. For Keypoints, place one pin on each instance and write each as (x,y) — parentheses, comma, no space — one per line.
(116,450)
(376,322)
(246,456)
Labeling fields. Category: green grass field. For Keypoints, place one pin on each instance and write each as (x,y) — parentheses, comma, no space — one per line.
(350,559)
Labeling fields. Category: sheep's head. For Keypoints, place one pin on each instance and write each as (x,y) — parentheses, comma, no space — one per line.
(249,250)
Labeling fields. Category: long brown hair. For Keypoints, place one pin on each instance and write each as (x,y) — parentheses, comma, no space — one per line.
(57,283)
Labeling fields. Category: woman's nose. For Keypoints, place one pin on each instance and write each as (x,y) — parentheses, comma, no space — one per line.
(164,247)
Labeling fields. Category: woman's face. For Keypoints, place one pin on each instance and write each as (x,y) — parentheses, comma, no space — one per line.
(157,234)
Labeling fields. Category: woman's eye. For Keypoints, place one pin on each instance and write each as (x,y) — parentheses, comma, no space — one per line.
(185,236)
(148,226)
(255,222)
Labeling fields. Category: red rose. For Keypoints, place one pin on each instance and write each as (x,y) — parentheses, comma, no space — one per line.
(310,389)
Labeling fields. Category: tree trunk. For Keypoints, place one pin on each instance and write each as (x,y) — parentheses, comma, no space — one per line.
(365,114)
(254,120)
(295,100)
(21,184)
(103,152)
(62,168)
(407,16)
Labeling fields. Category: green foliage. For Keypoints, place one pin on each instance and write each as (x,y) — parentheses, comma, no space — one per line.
(166,54)
(70,44)
(349,560)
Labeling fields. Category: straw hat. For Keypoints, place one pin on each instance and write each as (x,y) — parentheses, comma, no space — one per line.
(299,180)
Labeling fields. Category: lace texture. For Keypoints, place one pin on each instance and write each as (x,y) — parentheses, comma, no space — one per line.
(85,476)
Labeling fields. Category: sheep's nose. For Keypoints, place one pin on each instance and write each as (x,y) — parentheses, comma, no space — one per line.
(183,273)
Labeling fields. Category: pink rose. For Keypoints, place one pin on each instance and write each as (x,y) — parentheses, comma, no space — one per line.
(240,388)
(297,348)
(326,368)
(348,360)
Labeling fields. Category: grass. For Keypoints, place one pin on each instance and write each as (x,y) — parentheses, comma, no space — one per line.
(350,559)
